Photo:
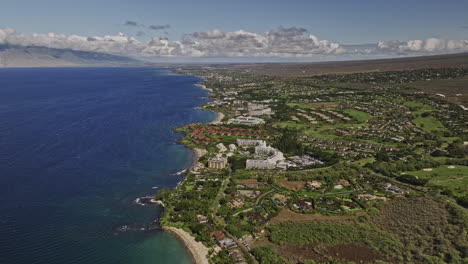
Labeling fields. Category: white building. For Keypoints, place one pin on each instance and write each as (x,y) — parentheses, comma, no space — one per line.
(274,158)
(249,142)
(217,163)
(258,109)
(221,147)
(246,120)
(232,147)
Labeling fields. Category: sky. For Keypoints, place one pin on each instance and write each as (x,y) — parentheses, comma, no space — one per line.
(258,28)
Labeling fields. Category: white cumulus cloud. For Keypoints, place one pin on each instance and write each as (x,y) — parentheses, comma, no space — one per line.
(280,42)
(429,46)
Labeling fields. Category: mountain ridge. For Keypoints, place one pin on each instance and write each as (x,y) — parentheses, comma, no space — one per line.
(13,56)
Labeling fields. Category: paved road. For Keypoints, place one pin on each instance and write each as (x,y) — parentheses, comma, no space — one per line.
(262,197)
(220,194)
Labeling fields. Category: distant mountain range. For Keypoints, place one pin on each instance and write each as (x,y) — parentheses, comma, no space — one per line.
(32,56)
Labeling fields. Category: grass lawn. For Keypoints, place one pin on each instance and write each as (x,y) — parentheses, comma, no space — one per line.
(289,124)
(363,162)
(360,116)
(189,187)
(454,177)
(420,106)
(448,140)
(429,123)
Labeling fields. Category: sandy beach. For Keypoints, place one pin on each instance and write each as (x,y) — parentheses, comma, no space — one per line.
(198,251)
(219,117)
(198,154)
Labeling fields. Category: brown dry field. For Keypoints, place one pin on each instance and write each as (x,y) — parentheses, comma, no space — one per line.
(345,252)
(319,68)
(287,215)
(316,251)
(448,87)
(354,252)
(247,181)
(297,254)
(292,185)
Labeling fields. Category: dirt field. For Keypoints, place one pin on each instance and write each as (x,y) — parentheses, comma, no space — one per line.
(354,252)
(287,215)
(247,181)
(455,90)
(320,253)
(291,185)
(297,254)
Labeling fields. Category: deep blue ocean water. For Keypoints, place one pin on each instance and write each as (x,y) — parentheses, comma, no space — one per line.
(77,146)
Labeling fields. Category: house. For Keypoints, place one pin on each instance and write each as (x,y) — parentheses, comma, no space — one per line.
(236,203)
(218,235)
(314,184)
(392,188)
(253,185)
(235,254)
(232,147)
(343,182)
(227,243)
(202,219)
(217,162)
(247,193)
(221,147)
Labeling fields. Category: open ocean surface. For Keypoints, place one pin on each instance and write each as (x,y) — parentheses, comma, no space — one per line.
(77,147)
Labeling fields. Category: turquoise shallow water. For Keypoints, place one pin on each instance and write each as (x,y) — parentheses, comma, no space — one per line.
(77,146)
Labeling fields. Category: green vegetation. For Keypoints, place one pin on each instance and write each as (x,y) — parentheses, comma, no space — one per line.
(429,123)
(453,178)
(368,168)
(426,227)
(360,116)
(327,233)
(267,255)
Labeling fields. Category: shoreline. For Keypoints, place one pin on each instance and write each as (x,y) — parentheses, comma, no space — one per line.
(197,250)
(204,87)
(197,154)
(219,117)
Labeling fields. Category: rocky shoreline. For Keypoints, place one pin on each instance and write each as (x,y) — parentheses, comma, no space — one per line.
(198,251)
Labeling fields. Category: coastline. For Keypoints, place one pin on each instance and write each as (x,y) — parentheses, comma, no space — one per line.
(204,87)
(198,251)
(197,154)
(219,117)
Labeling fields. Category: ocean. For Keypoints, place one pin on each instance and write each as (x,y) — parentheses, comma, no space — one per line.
(77,147)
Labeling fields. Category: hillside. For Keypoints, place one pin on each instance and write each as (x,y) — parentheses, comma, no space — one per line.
(20,56)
